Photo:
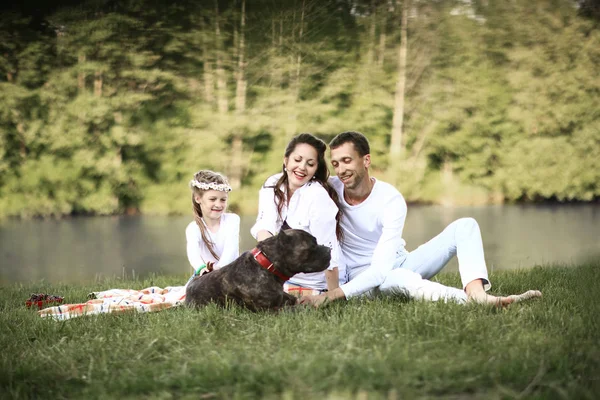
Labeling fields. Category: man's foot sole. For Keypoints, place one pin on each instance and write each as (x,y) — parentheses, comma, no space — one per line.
(504,301)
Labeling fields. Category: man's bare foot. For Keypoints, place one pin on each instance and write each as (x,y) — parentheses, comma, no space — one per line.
(481,297)
(530,294)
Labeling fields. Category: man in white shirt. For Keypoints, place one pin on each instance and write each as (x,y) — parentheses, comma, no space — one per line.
(373,218)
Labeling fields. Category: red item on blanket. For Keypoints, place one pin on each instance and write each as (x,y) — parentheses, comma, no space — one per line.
(43,299)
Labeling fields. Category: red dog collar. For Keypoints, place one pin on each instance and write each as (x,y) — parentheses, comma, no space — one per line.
(267,264)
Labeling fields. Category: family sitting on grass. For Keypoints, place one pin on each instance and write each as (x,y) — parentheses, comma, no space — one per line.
(358,217)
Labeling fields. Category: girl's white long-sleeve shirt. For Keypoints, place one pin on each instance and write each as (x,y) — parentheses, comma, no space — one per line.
(310,209)
(372,236)
(226,242)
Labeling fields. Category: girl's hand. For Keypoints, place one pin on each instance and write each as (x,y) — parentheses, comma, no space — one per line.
(210,265)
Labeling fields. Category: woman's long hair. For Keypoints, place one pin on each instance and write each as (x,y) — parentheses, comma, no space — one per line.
(321,176)
(205,176)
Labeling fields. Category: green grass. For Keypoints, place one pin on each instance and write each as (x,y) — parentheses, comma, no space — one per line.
(383,348)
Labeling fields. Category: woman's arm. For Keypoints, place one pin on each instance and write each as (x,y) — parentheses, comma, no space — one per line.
(266,220)
(322,225)
(332,277)
(231,237)
(262,235)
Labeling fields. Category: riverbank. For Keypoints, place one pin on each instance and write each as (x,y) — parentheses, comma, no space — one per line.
(88,249)
(175,201)
(379,348)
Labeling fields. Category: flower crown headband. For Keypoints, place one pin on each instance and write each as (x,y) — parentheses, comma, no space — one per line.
(221,187)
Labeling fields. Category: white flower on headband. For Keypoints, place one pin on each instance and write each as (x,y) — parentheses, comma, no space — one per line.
(221,187)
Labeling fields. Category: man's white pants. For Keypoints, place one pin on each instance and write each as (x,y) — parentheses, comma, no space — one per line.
(462,238)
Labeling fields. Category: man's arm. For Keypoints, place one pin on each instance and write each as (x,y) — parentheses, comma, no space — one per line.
(388,248)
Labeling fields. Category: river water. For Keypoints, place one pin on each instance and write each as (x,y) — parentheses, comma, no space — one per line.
(84,249)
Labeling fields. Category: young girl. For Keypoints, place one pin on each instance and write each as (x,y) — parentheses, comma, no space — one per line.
(301,198)
(212,242)
(213,237)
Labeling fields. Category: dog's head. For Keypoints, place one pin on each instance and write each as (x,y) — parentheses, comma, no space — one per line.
(294,250)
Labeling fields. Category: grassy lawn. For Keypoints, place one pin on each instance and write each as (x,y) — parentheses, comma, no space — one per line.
(383,348)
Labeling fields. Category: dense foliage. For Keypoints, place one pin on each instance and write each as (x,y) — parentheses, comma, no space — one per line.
(110,107)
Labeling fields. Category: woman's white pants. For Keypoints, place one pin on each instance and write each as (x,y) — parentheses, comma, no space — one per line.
(462,238)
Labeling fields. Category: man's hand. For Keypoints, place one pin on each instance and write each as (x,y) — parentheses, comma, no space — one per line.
(316,300)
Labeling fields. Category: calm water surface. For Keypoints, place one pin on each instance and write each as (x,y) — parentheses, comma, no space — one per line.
(88,248)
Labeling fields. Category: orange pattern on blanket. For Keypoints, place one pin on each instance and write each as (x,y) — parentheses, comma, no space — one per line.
(112,301)
(299,291)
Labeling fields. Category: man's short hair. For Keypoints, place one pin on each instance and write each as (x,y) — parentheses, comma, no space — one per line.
(360,142)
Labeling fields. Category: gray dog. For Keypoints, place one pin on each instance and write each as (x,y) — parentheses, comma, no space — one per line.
(255,279)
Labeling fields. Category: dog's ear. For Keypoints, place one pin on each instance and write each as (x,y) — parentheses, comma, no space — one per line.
(283,238)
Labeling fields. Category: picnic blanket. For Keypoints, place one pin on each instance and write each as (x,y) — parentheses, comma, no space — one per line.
(299,291)
(150,299)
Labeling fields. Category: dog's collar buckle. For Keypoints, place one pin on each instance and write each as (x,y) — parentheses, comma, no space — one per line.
(264,262)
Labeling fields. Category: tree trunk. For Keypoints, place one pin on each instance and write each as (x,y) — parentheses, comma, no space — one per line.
(235,34)
(281,32)
(240,93)
(207,74)
(382,38)
(81,74)
(371,52)
(421,140)
(276,67)
(16,117)
(299,58)
(447,176)
(98,84)
(396,134)
(118,117)
(22,144)
(297,81)
(237,165)
(222,103)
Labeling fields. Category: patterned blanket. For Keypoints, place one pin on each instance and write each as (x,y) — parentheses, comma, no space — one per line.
(118,301)
(299,291)
(151,299)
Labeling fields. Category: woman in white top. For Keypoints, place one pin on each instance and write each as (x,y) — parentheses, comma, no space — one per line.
(214,235)
(301,198)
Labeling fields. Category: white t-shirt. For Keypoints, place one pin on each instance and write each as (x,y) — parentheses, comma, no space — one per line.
(372,236)
(310,209)
(226,242)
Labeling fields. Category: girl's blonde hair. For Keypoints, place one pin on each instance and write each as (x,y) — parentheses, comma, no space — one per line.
(202,178)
